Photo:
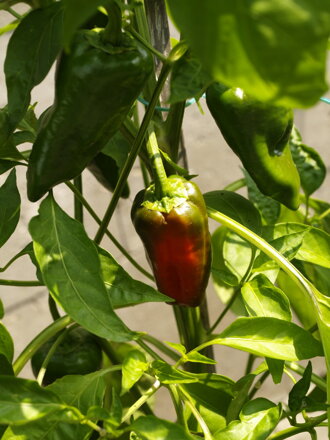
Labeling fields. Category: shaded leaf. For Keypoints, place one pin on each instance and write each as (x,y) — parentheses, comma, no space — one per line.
(32,49)
(268,207)
(309,163)
(236,207)
(10,202)
(6,343)
(300,389)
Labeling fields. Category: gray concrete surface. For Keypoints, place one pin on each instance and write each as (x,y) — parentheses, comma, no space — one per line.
(27,310)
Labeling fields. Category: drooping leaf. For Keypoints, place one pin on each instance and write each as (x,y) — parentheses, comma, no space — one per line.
(31,52)
(269,337)
(122,289)
(258,419)
(300,389)
(309,163)
(268,207)
(272,50)
(134,365)
(71,269)
(6,343)
(262,298)
(236,207)
(276,369)
(10,203)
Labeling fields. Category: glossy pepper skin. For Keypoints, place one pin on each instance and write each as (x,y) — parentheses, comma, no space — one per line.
(258,133)
(95,87)
(177,245)
(78,353)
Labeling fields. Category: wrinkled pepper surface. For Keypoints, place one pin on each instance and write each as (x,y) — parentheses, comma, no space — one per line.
(95,86)
(258,132)
(177,242)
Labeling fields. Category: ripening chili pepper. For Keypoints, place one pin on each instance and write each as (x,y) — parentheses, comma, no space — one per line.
(176,241)
(95,86)
(258,132)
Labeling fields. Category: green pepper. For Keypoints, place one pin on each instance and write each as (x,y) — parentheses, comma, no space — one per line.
(96,84)
(77,353)
(258,132)
(176,241)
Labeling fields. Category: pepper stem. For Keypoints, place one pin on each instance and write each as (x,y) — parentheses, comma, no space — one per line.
(112,33)
(160,178)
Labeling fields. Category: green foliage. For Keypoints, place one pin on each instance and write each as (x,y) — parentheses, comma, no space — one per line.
(270,264)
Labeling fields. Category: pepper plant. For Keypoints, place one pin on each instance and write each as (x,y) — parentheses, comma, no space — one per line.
(121,89)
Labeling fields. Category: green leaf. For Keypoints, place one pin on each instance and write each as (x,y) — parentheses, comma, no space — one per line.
(269,337)
(10,202)
(6,367)
(178,347)
(168,374)
(288,245)
(311,168)
(268,207)
(258,419)
(320,207)
(71,269)
(315,248)
(236,207)
(240,391)
(211,396)
(188,79)
(122,289)
(31,52)
(262,298)
(21,137)
(6,342)
(134,366)
(195,356)
(224,280)
(22,401)
(6,165)
(272,50)
(152,428)
(301,304)
(318,275)
(276,369)
(79,391)
(300,389)
(76,12)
